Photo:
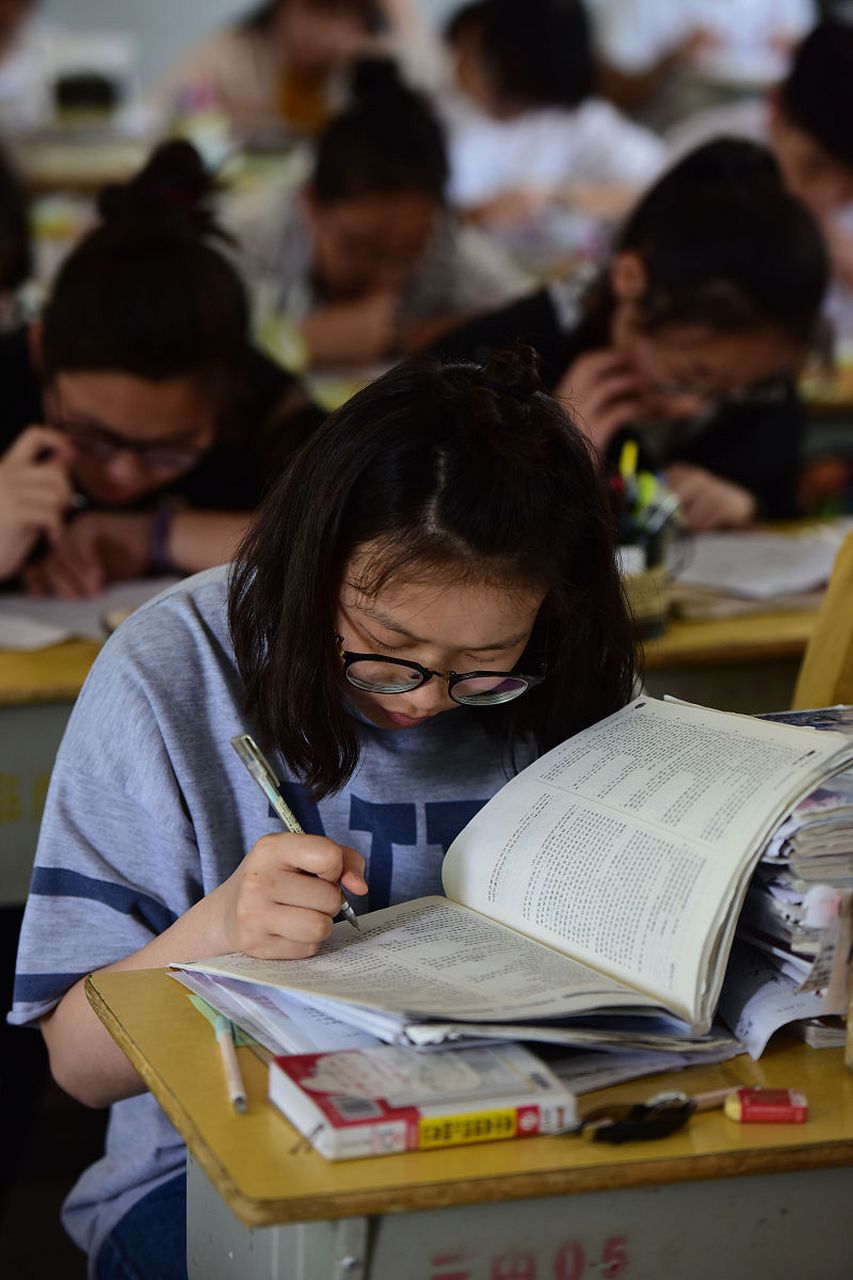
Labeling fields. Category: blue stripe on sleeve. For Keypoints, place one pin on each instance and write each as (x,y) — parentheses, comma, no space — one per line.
(30,988)
(58,882)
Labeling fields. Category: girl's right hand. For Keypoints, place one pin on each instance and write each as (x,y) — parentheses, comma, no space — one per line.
(602,392)
(35,492)
(280,902)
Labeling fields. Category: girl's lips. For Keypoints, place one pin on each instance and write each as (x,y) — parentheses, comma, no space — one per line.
(405,722)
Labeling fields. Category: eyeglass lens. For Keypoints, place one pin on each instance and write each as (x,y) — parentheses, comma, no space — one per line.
(375,676)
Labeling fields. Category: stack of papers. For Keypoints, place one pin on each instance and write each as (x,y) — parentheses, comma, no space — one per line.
(796,920)
(756,566)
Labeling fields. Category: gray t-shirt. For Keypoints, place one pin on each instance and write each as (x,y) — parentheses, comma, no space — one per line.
(149,809)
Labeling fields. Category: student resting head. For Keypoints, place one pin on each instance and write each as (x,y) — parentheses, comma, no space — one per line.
(135,384)
(810,117)
(702,317)
(512,58)
(445,520)
(377,186)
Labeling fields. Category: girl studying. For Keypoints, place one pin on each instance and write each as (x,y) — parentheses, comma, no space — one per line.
(691,337)
(136,398)
(427,601)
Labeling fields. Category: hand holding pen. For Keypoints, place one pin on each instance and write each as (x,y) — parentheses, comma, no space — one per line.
(284,895)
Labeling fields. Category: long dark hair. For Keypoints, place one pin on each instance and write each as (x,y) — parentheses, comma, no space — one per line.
(725,245)
(474,471)
(148,292)
(386,140)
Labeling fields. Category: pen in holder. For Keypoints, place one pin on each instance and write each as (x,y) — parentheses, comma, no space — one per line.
(647,514)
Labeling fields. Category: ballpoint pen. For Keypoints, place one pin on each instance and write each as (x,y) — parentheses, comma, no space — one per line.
(261,770)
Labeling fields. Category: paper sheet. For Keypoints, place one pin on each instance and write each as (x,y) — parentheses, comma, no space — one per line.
(33,622)
(759,566)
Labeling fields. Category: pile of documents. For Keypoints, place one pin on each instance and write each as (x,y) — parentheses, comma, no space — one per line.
(797,919)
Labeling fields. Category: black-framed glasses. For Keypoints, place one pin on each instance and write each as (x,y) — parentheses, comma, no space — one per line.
(377,674)
(101,444)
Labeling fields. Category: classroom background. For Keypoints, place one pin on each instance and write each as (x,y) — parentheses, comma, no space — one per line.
(466,184)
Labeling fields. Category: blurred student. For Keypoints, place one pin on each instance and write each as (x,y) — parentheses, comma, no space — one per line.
(15,253)
(283,63)
(366,262)
(138,397)
(527,129)
(692,335)
(806,121)
(664,59)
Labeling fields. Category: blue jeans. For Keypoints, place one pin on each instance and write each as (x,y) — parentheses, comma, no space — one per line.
(150,1241)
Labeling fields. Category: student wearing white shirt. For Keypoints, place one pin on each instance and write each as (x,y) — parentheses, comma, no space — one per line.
(527,131)
(668,56)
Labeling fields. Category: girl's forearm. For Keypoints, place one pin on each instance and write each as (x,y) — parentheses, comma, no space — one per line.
(84,1059)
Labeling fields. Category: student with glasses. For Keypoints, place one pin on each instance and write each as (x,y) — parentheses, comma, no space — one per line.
(133,417)
(691,336)
(427,600)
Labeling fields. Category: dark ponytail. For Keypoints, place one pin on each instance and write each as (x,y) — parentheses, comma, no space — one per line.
(148,292)
(387,140)
(15,254)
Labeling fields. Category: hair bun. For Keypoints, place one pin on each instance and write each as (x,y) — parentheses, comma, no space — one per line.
(173,189)
(515,371)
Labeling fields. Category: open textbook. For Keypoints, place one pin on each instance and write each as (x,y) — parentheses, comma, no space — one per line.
(591,902)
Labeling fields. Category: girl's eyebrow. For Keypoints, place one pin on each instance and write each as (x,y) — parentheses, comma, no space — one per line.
(386,621)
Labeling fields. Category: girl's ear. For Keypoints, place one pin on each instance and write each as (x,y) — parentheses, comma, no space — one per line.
(628,277)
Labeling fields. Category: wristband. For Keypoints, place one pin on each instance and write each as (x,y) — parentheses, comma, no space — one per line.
(159,529)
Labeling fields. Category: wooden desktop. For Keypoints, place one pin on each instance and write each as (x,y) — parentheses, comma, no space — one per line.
(716,1199)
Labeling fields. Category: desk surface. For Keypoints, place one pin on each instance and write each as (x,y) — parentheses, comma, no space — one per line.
(753,638)
(254,1163)
(55,674)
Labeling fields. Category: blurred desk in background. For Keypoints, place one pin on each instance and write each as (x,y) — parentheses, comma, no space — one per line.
(747,664)
(37,692)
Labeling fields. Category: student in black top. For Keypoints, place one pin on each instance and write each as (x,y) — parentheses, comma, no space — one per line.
(692,335)
(138,397)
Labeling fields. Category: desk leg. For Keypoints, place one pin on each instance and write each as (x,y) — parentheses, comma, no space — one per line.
(777,1225)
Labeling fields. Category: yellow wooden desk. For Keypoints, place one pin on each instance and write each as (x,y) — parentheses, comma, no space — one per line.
(746,664)
(717,1200)
(37,692)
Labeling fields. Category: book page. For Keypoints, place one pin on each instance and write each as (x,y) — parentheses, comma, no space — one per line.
(434,959)
(628,845)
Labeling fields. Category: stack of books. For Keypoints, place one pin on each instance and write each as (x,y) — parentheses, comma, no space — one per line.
(797,921)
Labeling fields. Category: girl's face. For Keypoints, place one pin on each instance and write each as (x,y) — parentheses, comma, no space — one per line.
(316,40)
(686,369)
(445,626)
(370,243)
(130,436)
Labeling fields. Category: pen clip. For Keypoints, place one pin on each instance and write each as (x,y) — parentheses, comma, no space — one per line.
(260,769)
